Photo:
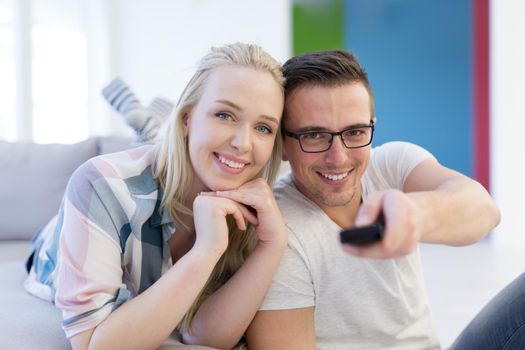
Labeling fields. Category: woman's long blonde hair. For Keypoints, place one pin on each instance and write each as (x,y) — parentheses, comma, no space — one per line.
(174,171)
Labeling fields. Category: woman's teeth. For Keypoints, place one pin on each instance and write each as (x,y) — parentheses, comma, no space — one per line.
(231,163)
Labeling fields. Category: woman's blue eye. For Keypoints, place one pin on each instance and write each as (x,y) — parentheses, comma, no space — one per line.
(223,116)
(263,129)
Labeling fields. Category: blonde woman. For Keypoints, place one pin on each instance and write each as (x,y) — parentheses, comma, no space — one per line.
(183,235)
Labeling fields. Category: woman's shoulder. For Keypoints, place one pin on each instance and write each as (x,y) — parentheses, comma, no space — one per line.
(120,165)
(124,164)
(118,174)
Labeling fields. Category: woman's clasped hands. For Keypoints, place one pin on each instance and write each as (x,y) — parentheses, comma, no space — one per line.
(253,202)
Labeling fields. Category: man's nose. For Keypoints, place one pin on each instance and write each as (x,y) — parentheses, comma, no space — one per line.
(337,153)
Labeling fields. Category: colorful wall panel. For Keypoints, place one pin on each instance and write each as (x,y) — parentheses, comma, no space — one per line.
(428,66)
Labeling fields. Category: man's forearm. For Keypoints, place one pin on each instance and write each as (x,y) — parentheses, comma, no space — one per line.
(458,212)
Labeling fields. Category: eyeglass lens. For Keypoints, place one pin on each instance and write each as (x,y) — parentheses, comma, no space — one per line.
(318,141)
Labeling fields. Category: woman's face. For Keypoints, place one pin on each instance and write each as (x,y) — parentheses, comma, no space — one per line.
(232,129)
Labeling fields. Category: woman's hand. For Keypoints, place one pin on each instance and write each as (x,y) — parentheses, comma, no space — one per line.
(258,196)
(211,229)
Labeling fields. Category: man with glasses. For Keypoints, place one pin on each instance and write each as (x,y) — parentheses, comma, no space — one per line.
(326,296)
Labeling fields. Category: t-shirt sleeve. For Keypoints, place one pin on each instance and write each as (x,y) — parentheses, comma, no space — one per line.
(89,271)
(392,162)
(292,285)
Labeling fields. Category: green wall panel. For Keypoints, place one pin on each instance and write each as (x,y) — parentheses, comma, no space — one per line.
(317,25)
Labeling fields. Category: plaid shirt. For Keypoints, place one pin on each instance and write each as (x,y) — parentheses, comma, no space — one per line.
(108,243)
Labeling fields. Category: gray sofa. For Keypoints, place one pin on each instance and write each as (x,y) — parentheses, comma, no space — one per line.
(32,181)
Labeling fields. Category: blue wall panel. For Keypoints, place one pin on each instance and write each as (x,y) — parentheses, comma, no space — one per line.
(418,54)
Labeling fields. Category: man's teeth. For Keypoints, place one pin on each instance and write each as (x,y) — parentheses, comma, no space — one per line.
(335,177)
(231,163)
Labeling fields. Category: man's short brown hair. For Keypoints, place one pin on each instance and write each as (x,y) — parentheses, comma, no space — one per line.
(328,68)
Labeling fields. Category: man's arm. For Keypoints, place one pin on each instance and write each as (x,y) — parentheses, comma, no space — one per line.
(437,205)
(291,329)
(453,209)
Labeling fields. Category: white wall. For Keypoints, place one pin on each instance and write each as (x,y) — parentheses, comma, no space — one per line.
(155,45)
(508,120)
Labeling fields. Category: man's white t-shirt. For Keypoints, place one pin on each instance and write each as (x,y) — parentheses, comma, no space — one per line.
(359,303)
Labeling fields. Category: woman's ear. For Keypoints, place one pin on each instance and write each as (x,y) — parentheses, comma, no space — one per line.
(186,123)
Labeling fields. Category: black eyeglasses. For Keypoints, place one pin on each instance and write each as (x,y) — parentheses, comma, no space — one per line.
(321,141)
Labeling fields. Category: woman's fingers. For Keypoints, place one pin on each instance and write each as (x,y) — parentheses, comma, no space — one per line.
(247,214)
(255,194)
(236,208)
(239,218)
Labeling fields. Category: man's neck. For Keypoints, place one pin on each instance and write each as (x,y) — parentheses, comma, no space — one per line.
(345,215)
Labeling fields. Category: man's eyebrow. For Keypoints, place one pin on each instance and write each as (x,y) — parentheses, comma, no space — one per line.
(322,128)
(312,128)
(234,106)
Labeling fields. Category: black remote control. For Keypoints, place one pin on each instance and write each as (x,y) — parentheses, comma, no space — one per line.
(363,235)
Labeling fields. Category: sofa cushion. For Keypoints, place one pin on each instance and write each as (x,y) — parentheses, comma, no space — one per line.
(32,182)
(26,321)
(14,250)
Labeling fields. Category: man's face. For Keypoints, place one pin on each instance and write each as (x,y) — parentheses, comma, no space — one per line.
(331,178)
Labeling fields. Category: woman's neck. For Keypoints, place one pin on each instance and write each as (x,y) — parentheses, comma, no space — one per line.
(184,238)
(182,241)
(195,187)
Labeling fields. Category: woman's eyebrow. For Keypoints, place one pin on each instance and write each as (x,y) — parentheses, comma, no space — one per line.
(237,107)
(231,104)
(271,119)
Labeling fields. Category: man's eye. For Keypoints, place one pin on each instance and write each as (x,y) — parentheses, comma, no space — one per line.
(354,133)
(264,129)
(312,136)
(224,116)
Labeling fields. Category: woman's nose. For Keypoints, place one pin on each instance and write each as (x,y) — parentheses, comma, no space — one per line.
(242,139)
